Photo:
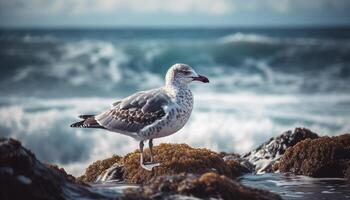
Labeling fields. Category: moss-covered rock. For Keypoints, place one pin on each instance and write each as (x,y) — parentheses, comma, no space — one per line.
(237,168)
(322,157)
(99,168)
(174,159)
(22,176)
(207,185)
(64,174)
(269,153)
(237,164)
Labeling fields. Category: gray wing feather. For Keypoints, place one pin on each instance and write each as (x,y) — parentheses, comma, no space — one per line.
(153,104)
(137,105)
(148,101)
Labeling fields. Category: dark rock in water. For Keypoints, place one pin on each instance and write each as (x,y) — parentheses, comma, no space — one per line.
(237,168)
(347,172)
(22,176)
(267,154)
(238,165)
(322,157)
(63,173)
(99,169)
(206,186)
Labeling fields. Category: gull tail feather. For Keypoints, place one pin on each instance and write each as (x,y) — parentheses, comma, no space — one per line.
(88,122)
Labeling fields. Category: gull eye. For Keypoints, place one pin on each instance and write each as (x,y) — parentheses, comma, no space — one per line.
(185,72)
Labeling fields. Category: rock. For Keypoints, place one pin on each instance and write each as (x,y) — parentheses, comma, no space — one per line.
(237,168)
(207,186)
(267,154)
(174,159)
(64,174)
(238,165)
(225,154)
(22,176)
(99,169)
(322,157)
(347,172)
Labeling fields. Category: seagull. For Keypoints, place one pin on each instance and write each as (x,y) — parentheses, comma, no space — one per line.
(150,114)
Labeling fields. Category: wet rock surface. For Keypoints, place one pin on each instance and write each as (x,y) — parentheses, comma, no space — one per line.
(322,157)
(267,154)
(237,164)
(347,172)
(22,176)
(99,169)
(206,186)
(237,168)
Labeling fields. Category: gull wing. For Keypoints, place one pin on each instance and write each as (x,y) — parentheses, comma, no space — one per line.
(135,112)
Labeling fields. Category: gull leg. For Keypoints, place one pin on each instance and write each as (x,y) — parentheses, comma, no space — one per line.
(150,144)
(141,153)
(148,165)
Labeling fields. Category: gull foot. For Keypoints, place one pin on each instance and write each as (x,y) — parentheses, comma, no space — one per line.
(149,165)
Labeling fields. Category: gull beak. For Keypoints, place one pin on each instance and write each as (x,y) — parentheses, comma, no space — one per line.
(201,79)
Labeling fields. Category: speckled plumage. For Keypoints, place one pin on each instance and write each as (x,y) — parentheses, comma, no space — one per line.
(177,114)
(149,114)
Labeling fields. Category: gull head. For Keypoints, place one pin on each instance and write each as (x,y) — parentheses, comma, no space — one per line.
(182,74)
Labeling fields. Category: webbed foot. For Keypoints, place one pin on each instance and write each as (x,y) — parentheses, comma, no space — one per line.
(149,165)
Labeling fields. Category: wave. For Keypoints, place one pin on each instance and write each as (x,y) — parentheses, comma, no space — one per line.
(89,63)
(89,67)
(104,69)
(85,62)
(265,39)
(252,38)
(29,38)
(257,75)
(39,39)
(102,64)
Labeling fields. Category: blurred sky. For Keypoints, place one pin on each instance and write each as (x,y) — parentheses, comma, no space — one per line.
(107,13)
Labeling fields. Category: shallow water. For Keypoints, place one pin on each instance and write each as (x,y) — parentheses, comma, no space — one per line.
(289,187)
(300,187)
(111,189)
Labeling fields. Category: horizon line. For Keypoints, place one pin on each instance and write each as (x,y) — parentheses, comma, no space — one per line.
(87,27)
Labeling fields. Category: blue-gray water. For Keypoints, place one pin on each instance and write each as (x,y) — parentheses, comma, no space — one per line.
(263,82)
(291,187)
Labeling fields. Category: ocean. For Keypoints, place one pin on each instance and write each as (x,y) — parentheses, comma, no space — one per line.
(263,81)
